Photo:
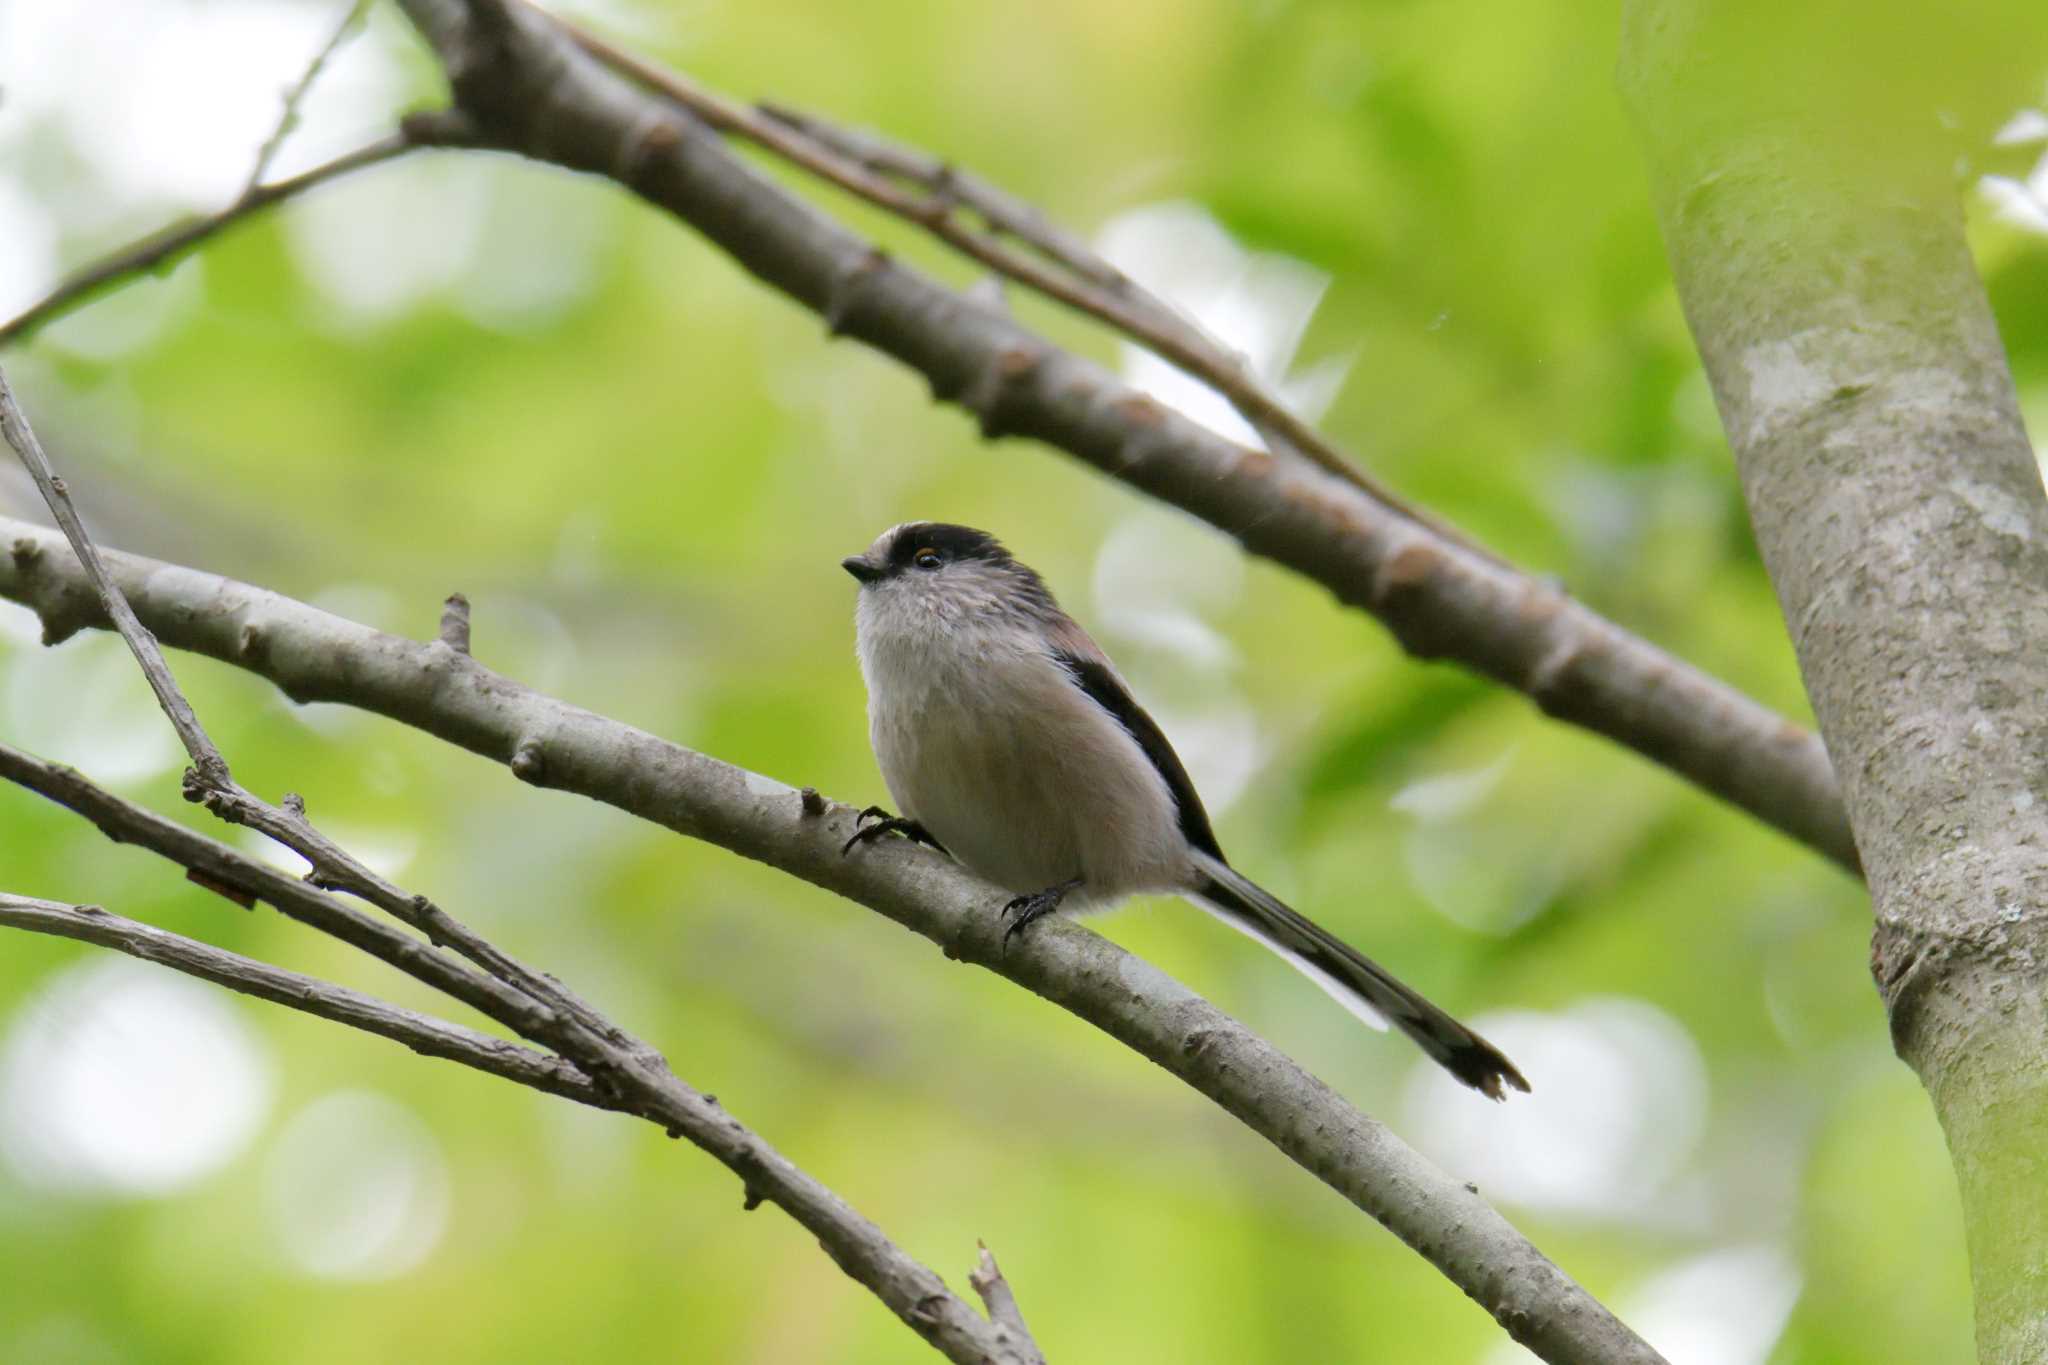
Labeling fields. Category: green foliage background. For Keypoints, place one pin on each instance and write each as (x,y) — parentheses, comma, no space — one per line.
(646,494)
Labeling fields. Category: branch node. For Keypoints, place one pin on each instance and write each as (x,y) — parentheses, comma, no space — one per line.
(847,287)
(986,1279)
(252,645)
(27,552)
(990,393)
(1405,569)
(455,623)
(529,762)
(813,803)
(652,140)
(1253,463)
(1551,671)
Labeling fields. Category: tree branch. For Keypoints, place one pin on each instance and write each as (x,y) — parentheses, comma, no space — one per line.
(531,90)
(424,1034)
(860,164)
(627,1067)
(14,426)
(288,117)
(239,877)
(211,783)
(168,245)
(1441,596)
(312,655)
(987,1280)
(849,1238)
(1001,1341)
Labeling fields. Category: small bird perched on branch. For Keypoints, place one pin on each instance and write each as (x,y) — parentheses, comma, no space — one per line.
(1010,743)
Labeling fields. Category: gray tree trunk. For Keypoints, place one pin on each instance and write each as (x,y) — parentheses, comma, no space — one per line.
(1810,204)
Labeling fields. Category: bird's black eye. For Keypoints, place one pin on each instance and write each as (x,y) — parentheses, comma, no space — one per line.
(928,559)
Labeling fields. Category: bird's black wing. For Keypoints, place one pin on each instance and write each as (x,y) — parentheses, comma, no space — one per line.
(1100,682)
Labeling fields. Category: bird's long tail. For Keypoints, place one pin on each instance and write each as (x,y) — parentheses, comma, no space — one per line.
(1358,983)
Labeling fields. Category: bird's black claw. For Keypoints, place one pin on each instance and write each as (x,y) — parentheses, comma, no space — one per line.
(885,823)
(1030,909)
(863,832)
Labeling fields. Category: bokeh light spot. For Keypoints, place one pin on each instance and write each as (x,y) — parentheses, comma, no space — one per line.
(122,1078)
(356,1188)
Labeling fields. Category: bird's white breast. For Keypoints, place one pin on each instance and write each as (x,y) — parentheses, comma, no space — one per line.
(985,740)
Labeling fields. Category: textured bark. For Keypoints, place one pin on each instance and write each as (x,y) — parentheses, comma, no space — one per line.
(1812,216)
(314,656)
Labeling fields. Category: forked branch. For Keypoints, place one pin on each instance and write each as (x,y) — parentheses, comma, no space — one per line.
(313,655)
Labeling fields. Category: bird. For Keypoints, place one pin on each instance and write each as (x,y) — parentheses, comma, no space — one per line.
(1010,743)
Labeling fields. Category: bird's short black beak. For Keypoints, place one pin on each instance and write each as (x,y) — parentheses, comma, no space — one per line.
(861,567)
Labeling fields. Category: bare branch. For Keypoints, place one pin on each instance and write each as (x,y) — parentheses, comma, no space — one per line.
(428,1036)
(236,875)
(288,119)
(630,1069)
(210,782)
(1008,1341)
(312,655)
(987,1280)
(680,1110)
(14,425)
(170,244)
(859,163)
(529,89)
(1001,210)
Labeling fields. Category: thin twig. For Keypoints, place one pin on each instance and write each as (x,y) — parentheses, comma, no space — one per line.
(422,1033)
(1093,287)
(531,90)
(210,782)
(313,655)
(630,1070)
(167,245)
(1439,603)
(170,244)
(336,869)
(767,1175)
(986,1279)
(1001,210)
(206,758)
(241,877)
(288,119)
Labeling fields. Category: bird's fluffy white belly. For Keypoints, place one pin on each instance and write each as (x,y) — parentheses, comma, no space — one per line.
(1019,774)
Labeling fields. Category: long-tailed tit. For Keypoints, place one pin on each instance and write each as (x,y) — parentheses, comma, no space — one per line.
(1010,743)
